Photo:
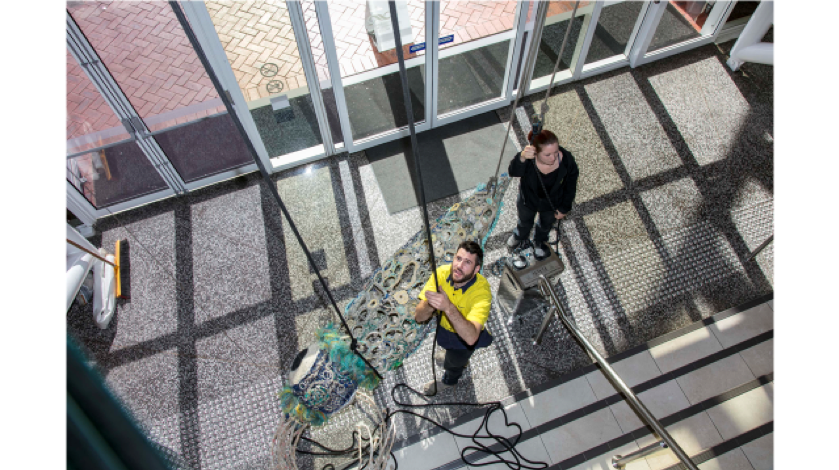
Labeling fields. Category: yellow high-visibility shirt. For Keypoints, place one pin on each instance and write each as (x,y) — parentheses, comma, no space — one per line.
(473,300)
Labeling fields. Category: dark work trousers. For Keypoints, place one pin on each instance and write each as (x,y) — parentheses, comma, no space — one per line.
(456,360)
(526,216)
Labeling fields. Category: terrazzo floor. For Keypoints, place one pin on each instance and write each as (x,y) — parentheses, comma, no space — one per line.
(676,189)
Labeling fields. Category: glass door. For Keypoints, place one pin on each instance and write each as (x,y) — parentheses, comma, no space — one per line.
(266,45)
(176,113)
(607,44)
(557,21)
(474,56)
(105,164)
(359,46)
(674,27)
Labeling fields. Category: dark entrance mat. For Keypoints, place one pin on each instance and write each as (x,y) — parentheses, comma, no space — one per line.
(455,157)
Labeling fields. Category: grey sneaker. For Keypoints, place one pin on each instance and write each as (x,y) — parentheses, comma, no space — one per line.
(429,388)
(513,241)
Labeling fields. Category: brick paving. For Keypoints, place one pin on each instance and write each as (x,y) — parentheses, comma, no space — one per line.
(145,49)
(87,111)
(256,33)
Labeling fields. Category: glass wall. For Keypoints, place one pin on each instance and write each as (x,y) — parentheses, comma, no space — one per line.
(261,48)
(613,31)
(681,22)
(103,162)
(557,22)
(365,50)
(475,41)
(148,54)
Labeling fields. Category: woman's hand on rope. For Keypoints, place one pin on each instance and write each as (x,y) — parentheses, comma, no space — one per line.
(529,153)
(559,215)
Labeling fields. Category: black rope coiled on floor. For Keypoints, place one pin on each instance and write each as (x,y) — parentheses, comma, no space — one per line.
(506,444)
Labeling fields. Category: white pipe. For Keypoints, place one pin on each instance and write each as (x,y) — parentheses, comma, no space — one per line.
(760,53)
(78,263)
(76,272)
(760,22)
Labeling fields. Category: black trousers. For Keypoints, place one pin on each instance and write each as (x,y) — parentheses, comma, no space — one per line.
(525,224)
(456,360)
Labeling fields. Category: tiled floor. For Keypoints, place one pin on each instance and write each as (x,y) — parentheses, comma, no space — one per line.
(222,301)
(557,429)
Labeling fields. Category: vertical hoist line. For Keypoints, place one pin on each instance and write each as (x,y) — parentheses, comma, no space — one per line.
(265,176)
(544,107)
(403,74)
(531,58)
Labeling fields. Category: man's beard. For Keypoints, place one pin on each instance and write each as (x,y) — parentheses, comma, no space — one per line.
(465,277)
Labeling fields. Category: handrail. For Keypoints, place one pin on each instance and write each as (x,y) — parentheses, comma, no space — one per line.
(760,248)
(548,291)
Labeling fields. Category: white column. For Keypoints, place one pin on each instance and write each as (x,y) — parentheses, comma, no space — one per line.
(748,47)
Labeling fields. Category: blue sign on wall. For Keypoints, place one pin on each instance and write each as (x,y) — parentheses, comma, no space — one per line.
(446,39)
(421,46)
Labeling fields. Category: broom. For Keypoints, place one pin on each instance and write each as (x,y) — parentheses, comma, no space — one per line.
(122,267)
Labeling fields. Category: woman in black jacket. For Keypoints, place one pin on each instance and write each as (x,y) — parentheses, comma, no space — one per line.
(548,185)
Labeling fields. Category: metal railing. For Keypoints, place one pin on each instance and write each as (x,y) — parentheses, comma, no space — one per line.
(666,440)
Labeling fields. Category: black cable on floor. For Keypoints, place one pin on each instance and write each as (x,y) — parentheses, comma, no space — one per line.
(518,461)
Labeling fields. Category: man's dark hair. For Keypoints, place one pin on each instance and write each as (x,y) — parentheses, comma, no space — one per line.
(473,248)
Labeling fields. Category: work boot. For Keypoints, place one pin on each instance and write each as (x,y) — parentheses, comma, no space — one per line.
(541,251)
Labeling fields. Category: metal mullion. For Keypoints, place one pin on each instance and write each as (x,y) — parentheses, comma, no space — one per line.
(102,147)
(223,176)
(80,206)
(432,60)
(645,33)
(592,26)
(511,52)
(301,36)
(638,22)
(110,91)
(322,13)
(161,163)
(521,29)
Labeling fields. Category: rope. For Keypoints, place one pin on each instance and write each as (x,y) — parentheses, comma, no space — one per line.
(403,74)
(368,448)
(265,175)
(531,58)
(544,107)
